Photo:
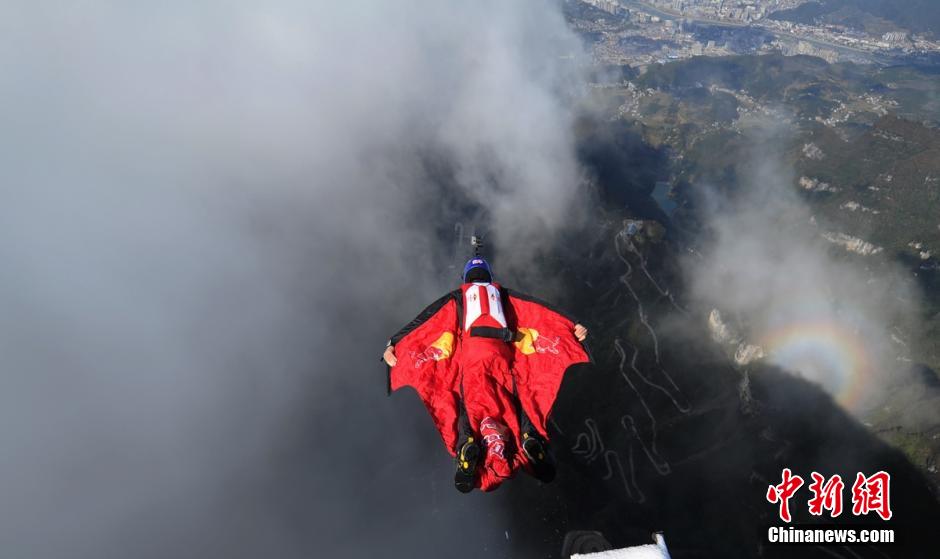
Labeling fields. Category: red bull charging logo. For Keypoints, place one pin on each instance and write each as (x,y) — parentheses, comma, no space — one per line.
(528,341)
(494,436)
(442,348)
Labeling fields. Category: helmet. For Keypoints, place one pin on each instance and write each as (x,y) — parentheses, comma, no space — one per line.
(476,263)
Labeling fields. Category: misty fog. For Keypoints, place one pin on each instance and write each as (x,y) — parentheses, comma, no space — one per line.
(214,215)
(764,263)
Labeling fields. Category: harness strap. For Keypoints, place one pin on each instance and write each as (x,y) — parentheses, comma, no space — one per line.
(504,334)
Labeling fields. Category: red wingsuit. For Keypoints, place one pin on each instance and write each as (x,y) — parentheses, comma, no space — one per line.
(491,352)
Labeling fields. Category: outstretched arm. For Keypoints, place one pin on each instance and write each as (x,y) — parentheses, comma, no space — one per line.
(389,356)
(580,331)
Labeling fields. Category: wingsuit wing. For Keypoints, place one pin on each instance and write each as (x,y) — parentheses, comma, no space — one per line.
(545,347)
(425,350)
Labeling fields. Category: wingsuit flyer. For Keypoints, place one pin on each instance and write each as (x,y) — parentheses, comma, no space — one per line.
(470,279)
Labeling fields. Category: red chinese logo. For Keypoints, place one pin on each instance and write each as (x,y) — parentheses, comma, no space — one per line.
(872,494)
(869,494)
(826,496)
(782,493)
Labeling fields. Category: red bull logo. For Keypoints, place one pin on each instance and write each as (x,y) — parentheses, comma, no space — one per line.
(528,341)
(442,348)
(431,353)
(545,344)
(494,436)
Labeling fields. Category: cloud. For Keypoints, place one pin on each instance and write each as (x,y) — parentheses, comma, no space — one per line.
(214,214)
(817,308)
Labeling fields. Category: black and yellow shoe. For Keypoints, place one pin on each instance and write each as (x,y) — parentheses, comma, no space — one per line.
(536,450)
(468,457)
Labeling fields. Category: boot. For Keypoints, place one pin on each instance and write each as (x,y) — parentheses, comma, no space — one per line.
(536,450)
(468,457)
